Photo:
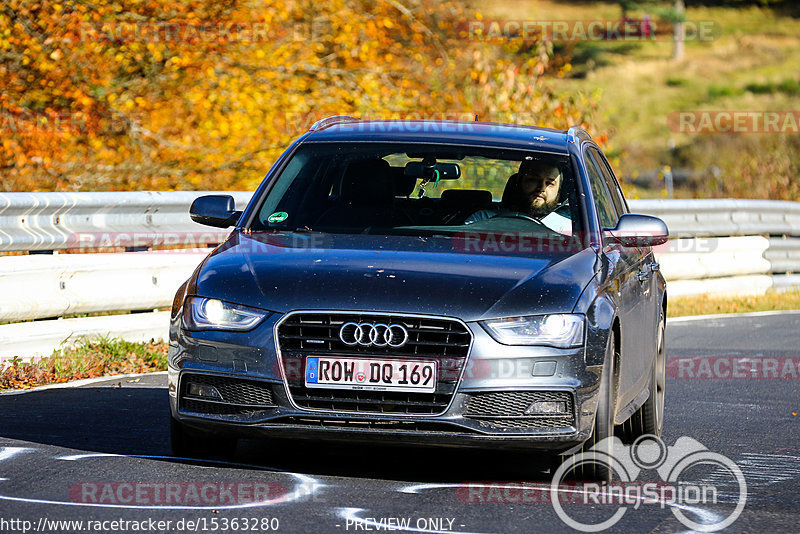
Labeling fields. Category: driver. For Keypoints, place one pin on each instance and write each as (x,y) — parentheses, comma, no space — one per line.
(533,191)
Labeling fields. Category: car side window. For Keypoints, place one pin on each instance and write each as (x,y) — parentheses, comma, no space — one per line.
(602,198)
(611,181)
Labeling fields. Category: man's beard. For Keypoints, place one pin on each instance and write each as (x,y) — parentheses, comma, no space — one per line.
(542,209)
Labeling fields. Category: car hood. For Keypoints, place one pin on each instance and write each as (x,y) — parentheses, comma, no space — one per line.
(399,274)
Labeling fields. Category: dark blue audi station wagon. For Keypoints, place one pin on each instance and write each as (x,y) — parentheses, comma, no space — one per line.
(460,284)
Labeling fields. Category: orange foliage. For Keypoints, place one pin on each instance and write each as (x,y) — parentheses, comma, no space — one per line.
(205,94)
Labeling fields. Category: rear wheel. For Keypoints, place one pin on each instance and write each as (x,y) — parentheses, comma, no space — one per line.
(191,443)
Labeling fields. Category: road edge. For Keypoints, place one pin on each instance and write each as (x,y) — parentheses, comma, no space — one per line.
(689,318)
(79,383)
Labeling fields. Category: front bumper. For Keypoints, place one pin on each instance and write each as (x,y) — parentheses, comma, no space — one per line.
(486,410)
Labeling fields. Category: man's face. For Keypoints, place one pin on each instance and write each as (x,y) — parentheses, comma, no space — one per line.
(540,185)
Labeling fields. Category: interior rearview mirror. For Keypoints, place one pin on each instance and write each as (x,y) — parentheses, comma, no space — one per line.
(447,171)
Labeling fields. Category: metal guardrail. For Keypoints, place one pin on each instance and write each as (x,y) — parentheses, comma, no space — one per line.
(783,254)
(53,221)
(703,259)
(718,246)
(723,217)
(37,287)
(716,257)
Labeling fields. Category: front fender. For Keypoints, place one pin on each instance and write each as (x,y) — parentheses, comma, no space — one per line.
(599,305)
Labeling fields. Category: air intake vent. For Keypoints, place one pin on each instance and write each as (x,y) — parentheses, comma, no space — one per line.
(237,396)
(511,409)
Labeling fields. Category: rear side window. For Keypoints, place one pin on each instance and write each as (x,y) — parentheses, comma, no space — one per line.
(613,186)
(606,211)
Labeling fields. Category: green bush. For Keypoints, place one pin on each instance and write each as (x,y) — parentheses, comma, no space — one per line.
(789,87)
(719,91)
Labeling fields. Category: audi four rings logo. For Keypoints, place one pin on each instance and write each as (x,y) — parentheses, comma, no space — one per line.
(375,335)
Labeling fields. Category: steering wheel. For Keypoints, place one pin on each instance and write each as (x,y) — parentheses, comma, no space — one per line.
(517,215)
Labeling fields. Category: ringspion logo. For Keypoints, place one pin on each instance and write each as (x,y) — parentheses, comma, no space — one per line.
(674,465)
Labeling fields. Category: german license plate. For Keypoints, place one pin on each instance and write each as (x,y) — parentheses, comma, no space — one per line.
(371,375)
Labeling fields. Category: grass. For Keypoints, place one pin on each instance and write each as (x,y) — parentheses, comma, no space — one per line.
(707,305)
(90,358)
(749,65)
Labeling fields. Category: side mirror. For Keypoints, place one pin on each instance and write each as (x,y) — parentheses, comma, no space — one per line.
(634,230)
(215,210)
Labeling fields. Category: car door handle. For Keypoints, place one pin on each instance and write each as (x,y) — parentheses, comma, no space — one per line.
(655,267)
(642,276)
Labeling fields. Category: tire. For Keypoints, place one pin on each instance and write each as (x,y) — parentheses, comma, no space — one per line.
(603,421)
(649,418)
(188,443)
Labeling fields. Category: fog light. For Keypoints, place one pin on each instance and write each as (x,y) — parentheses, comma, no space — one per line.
(547,408)
(203,390)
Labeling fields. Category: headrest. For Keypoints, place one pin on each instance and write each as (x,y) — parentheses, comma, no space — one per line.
(403,185)
(368,182)
(510,193)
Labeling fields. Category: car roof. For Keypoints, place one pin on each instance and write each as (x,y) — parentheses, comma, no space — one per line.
(465,133)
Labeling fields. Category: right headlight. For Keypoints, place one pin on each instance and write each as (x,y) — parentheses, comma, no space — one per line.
(562,330)
(201,313)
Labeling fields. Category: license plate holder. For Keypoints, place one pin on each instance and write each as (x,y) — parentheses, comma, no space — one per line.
(371,374)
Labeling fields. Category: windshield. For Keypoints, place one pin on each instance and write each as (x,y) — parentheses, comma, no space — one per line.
(421,189)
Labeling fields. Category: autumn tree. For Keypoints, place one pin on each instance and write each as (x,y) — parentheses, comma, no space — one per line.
(155,94)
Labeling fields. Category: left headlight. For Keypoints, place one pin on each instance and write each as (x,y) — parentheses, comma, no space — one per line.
(201,313)
(563,330)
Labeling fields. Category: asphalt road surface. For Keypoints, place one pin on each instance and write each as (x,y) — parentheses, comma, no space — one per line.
(96,459)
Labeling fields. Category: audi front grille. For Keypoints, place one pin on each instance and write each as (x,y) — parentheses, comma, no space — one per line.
(303,334)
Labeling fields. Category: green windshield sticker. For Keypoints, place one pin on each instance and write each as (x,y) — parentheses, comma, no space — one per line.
(278,216)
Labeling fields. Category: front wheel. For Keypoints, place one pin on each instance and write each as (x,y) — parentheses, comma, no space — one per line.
(594,466)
